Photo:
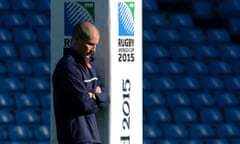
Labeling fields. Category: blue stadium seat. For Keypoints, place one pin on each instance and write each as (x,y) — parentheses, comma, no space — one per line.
(217,67)
(5,35)
(150,67)
(229,51)
(41,68)
(192,141)
(217,141)
(202,9)
(45,116)
(144,118)
(37,20)
(149,35)
(147,84)
(196,67)
(30,51)
(211,115)
(204,51)
(150,5)
(226,99)
(26,100)
(159,115)
(42,132)
(3,133)
(13,19)
(4,5)
(235,67)
(227,130)
(175,131)
(6,117)
(6,100)
(170,67)
(23,5)
(37,84)
(163,83)
(155,51)
(148,141)
(201,131)
(151,131)
(45,99)
(201,99)
(232,114)
(169,1)
(166,141)
(227,8)
(153,99)
(7,51)
(177,99)
(192,35)
(179,51)
(211,83)
(185,115)
(27,116)
(19,142)
(12,84)
(166,35)
(43,142)
(46,52)
(234,25)
(43,35)
(20,132)
(181,20)
(24,35)
(154,19)
(232,82)
(3,69)
(235,141)
(187,83)
(218,35)
(18,68)
(43,5)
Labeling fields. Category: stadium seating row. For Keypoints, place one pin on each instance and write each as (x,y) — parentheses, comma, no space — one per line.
(25,132)
(20,35)
(25,100)
(195,131)
(191,99)
(30,116)
(190,83)
(25,5)
(30,84)
(188,67)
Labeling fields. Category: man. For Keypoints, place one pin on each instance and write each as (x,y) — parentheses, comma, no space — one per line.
(77,92)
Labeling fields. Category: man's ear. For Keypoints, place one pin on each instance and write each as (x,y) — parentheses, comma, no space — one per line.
(75,39)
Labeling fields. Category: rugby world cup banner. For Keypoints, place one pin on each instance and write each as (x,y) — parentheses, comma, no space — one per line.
(64,15)
(75,12)
(126,71)
(118,60)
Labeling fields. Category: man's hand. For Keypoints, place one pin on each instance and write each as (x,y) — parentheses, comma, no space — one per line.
(98,90)
(92,95)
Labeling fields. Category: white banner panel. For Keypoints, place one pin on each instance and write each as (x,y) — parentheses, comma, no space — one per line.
(118,59)
(126,72)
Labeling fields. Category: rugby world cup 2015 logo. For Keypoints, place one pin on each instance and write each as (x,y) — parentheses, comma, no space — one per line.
(126,25)
(75,12)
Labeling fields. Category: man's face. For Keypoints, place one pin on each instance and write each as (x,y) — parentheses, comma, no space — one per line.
(87,47)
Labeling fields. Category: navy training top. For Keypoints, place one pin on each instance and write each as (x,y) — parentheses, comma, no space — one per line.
(74,109)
